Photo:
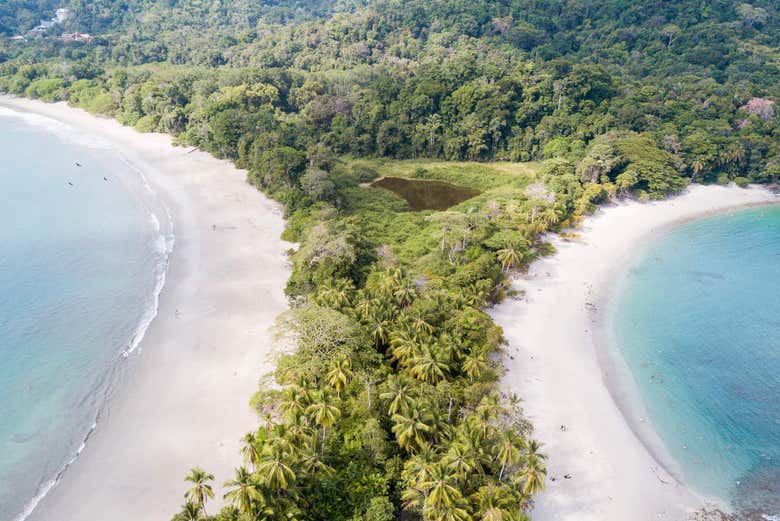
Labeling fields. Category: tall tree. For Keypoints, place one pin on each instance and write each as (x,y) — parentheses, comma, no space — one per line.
(201,490)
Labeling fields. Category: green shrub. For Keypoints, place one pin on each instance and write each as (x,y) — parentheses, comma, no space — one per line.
(363,173)
(102,104)
(46,89)
(146,124)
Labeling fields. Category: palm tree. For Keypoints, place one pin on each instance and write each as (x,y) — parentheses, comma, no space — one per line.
(189,512)
(274,471)
(475,295)
(508,450)
(268,422)
(418,468)
(405,294)
(548,218)
(201,490)
(421,325)
(335,294)
(413,498)
(293,403)
(249,449)
(447,513)
(475,364)
(310,462)
(532,475)
(448,347)
(509,257)
(292,437)
(323,413)
(460,460)
(364,308)
(735,154)
(388,283)
(534,470)
(472,440)
(697,166)
(481,421)
(244,492)
(532,450)
(339,376)
(428,367)
(495,502)
(440,421)
(441,489)
(410,429)
(380,332)
(281,440)
(398,396)
(403,347)
(432,126)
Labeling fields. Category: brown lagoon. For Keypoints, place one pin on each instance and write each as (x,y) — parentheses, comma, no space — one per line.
(422,194)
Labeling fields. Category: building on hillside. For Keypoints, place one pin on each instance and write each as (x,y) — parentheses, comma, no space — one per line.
(61,15)
(41,28)
(76,37)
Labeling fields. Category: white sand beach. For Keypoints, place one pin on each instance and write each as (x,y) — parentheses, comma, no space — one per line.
(186,400)
(567,377)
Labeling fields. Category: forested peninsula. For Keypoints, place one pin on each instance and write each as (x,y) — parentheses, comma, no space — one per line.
(385,403)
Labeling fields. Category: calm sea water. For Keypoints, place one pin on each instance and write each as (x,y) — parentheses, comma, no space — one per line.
(81,262)
(698,321)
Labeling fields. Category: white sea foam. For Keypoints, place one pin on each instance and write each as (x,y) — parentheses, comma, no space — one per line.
(44,490)
(151,311)
(62,130)
(163,244)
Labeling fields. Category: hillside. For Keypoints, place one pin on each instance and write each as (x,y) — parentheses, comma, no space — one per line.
(480,81)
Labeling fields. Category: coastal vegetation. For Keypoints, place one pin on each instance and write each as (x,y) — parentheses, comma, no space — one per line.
(386,401)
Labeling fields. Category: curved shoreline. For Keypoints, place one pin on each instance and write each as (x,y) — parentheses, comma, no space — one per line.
(111,381)
(183,399)
(562,365)
(618,376)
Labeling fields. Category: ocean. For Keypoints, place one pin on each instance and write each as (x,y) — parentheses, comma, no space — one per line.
(83,250)
(697,319)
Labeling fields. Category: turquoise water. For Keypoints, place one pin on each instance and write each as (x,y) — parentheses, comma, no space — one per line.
(80,265)
(697,319)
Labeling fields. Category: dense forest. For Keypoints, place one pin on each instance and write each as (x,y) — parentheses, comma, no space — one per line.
(387,404)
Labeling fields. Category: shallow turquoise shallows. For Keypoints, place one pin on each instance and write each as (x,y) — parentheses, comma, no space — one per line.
(81,260)
(697,319)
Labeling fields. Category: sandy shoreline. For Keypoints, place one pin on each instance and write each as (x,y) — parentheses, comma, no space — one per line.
(185,401)
(562,368)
